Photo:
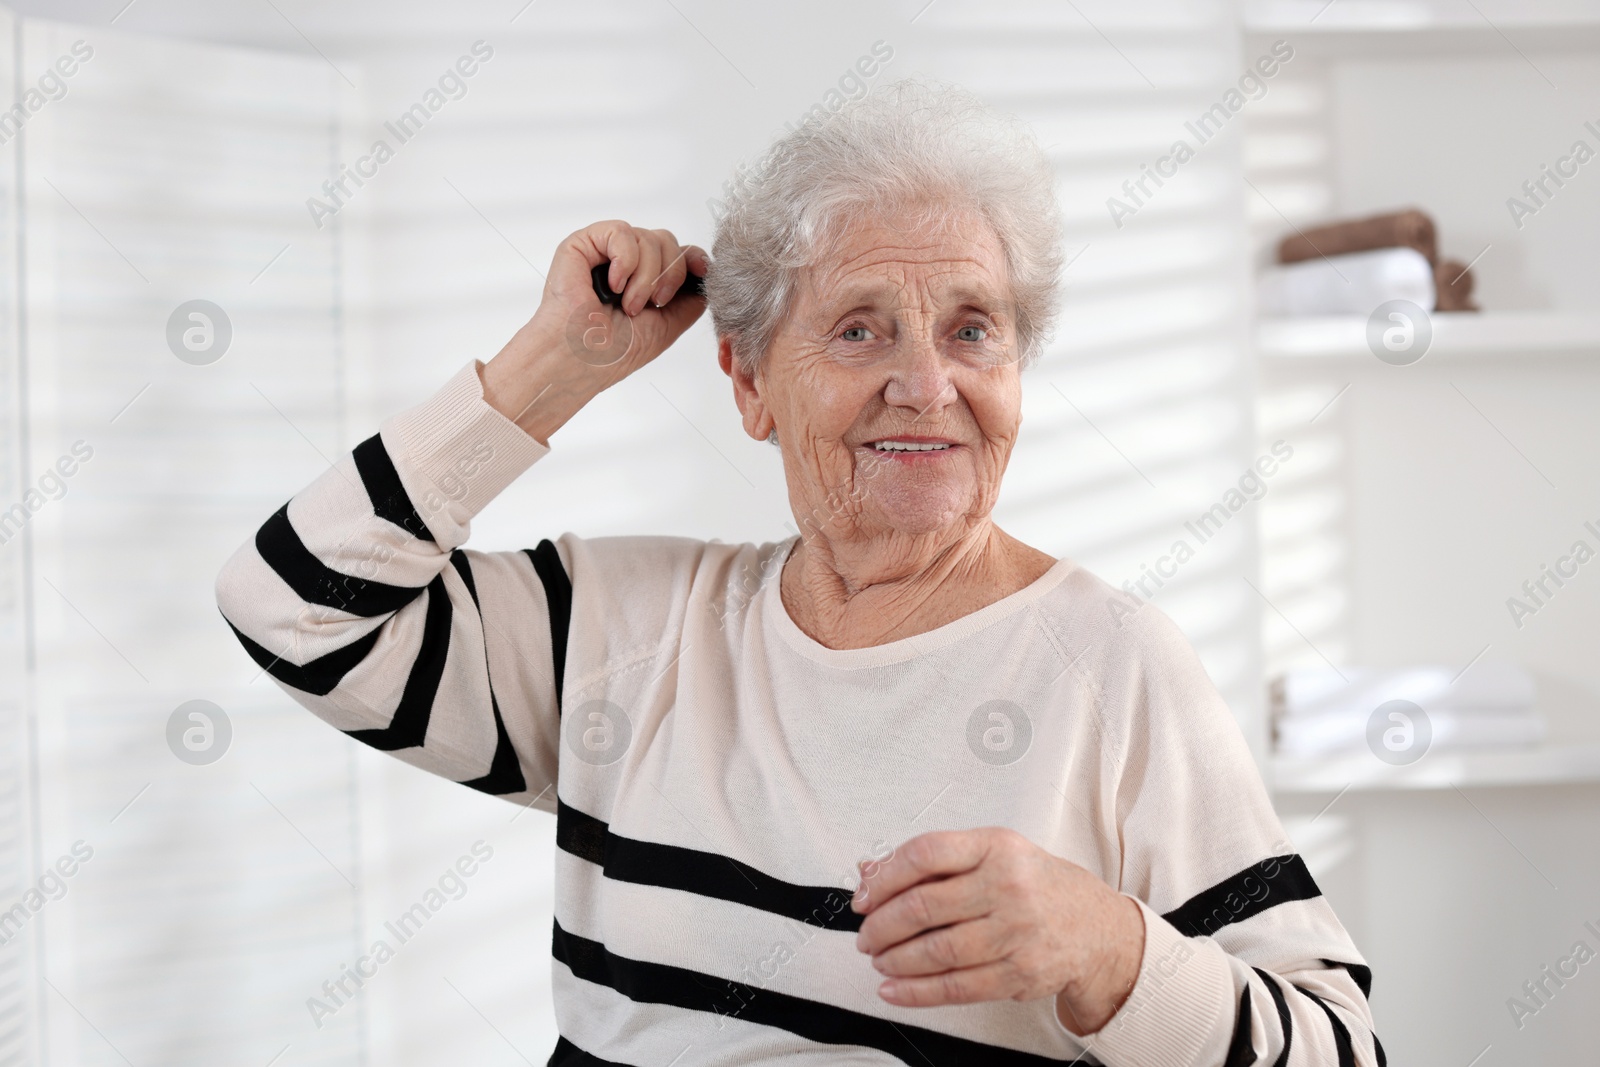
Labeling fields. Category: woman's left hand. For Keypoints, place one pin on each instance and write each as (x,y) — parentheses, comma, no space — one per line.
(958,916)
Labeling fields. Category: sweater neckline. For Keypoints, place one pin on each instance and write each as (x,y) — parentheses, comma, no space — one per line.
(777,620)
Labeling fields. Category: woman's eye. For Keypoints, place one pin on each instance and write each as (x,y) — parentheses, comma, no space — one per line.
(972,333)
(856,333)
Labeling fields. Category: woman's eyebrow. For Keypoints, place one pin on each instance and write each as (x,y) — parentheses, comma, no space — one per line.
(828,316)
(847,301)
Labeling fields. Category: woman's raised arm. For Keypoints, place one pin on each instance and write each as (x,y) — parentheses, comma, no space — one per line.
(357,595)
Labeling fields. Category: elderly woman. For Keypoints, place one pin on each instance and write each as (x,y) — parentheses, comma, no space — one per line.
(896,789)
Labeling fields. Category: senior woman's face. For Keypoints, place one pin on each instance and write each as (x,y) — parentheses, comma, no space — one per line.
(893,382)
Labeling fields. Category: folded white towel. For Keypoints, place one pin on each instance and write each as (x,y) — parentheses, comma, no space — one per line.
(1486,686)
(1323,735)
(1353,284)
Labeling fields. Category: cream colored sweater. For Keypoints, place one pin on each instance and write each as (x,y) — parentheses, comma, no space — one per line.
(716,774)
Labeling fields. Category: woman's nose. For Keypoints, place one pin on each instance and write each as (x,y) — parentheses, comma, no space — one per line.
(919,377)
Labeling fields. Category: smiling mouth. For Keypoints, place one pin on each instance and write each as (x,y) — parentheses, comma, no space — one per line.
(912,443)
(911,446)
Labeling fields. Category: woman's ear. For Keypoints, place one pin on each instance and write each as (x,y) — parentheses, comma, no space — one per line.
(758,421)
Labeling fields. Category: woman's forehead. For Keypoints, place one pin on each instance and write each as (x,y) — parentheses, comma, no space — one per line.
(947,284)
(931,227)
(878,261)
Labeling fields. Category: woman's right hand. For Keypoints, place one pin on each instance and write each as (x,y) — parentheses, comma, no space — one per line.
(574,347)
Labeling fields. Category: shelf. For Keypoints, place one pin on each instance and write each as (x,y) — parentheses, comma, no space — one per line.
(1457,334)
(1354,29)
(1569,764)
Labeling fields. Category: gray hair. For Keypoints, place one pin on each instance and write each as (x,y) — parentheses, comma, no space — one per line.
(911,144)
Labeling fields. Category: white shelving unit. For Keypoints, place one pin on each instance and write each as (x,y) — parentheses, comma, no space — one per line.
(1429,39)
(1571,764)
(1431,491)
(1456,334)
(1370,27)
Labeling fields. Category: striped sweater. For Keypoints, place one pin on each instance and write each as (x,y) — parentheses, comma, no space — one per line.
(716,774)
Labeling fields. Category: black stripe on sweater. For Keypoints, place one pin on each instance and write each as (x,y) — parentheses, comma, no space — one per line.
(315,582)
(558,596)
(389,497)
(1273,881)
(705,874)
(1362,975)
(569,1055)
(408,727)
(505,771)
(1341,1036)
(1241,1051)
(659,983)
(1285,1020)
(321,675)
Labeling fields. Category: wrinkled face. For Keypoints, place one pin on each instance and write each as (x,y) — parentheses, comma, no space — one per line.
(893,382)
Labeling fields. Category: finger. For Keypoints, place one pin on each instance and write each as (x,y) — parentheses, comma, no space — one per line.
(578,255)
(673,268)
(950,948)
(925,906)
(938,854)
(596,241)
(697,260)
(645,273)
(622,248)
(970,985)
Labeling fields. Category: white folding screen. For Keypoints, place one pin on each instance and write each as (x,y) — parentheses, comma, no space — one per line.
(16,865)
(214,897)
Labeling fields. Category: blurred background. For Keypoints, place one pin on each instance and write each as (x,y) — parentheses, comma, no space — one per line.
(162,152)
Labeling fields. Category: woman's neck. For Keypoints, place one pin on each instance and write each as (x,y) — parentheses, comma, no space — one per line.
(858,593)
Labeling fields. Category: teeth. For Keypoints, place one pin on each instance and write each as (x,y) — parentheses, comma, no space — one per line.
(906,446)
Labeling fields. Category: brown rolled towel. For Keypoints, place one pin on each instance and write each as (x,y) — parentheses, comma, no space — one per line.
(1453,283)
(1398,229)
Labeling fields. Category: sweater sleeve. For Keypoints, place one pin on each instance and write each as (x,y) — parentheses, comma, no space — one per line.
(358,599)
(1244,960)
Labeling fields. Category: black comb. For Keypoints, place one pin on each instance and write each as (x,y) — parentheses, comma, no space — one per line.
(693,285)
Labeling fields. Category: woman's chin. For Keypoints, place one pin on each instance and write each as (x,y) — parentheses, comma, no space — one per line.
(923,512)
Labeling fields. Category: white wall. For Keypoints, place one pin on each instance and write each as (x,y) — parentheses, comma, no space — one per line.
(202,893)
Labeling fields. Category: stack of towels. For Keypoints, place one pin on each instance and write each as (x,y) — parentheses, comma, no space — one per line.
(1319,710)
(1351,267)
